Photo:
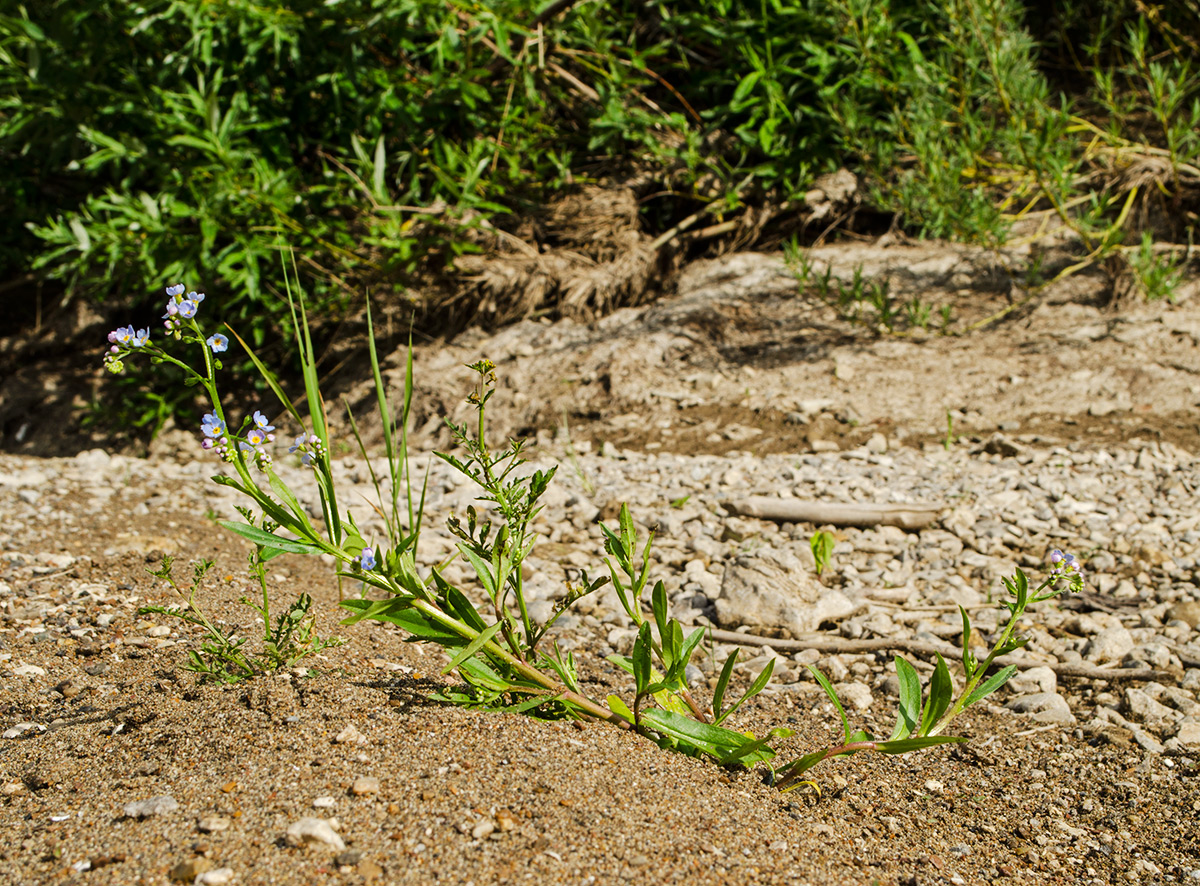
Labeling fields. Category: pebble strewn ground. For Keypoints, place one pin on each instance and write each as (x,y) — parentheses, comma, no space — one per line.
(83,672)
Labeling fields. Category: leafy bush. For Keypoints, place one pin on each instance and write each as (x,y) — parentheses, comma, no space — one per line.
(382,137)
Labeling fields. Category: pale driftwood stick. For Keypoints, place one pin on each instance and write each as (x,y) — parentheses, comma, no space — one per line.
(795,510)
(922,647)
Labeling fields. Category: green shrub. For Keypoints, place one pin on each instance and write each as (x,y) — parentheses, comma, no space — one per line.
(146,143)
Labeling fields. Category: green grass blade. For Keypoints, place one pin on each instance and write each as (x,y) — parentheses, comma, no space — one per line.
(833,697)
(723,684)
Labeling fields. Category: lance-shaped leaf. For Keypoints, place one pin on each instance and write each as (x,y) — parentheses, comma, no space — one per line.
(473,647)
(269,539)
(909,715)
(940,689)
(990,685)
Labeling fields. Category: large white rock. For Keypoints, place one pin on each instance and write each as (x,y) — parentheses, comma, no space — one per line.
(771,589)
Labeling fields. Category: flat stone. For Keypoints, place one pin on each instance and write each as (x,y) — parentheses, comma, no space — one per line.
(150,807)
(216,877)
(314,830)
(187,871)
(771,588)
(365,784)
(212,824)
(857,695)
(1044,707)
(1109,645)
(1188,612)
(1034,680)
(23,729)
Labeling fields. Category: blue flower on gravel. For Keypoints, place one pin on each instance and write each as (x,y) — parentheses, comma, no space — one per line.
(211,425)
(366,560)
(218,343)
(186,308)
(124,335)
(256,437)
(140,339)
(261,422)
(175,290)
(1064,564)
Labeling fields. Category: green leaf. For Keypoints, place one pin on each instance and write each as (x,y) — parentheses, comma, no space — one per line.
(473,647)
(477,672)
(990,685)
(833,697)
(752,747)
(641,659)
(723,684)
(968,659)
(756,687)
(482,569)
(270,540)
(464,608)
(396,611)
(904,745)
(940,689)
(658,602)
(802,764)
(618,707)
(909,714)
(690,644)
(711,739)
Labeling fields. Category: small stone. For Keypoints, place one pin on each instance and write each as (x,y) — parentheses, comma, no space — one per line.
(1034,680)
(216,877)
(1188,612)
(12,787)
(324,803)
(153,806)
(505,820)
(350,735)
(934,786)
(856,694)
(1188,733)
(29,671)
(365,784)
(314,830)
(1045,707)
(483,829)
(349,858)
(1109,645)
(369,870)
(159,631)
(212,824)
(23,728)
(188,871)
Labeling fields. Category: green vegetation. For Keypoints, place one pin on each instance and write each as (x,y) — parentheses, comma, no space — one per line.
(382,139)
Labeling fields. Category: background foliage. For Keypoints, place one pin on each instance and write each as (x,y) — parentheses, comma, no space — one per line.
(168,140)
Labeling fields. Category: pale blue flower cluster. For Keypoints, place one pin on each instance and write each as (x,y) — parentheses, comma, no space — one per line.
(1064,564)
(181,307)
(310,448)
(123,339)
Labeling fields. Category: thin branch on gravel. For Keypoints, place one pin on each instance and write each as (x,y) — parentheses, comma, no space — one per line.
(795,510)
(922,647)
